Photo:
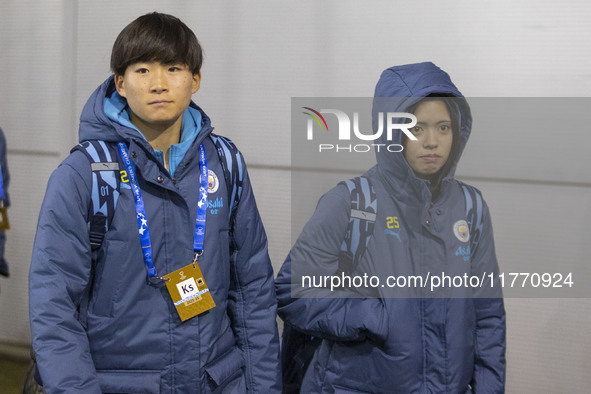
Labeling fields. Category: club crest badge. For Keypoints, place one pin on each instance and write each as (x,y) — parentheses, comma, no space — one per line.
(461,230)
(213,182)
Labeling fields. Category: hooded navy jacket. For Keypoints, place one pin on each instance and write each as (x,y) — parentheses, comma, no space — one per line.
(415,341)
(128,336)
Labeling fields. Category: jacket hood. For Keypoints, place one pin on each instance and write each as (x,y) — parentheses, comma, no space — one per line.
(95,124)
(398,88)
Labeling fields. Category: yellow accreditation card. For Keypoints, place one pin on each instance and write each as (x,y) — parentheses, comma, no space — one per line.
(188,291)
(4,225)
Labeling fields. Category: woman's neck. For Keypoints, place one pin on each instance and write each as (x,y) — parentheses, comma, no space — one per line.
(160,136)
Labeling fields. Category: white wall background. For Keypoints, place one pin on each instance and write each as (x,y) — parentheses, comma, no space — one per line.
(259,54)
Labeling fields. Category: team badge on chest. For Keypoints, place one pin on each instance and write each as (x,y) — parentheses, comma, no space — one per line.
(461,230)
(212,181)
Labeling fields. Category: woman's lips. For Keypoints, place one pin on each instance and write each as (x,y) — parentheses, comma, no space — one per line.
(430,157)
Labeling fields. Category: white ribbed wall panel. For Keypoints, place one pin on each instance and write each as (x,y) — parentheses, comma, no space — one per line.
(271,189)
(28,183)
(37,87)
(548,345)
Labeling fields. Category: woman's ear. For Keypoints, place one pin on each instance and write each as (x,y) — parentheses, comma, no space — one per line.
(196,82)
(120,84)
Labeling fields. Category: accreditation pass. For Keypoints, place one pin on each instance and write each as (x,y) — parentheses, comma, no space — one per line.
(188,291)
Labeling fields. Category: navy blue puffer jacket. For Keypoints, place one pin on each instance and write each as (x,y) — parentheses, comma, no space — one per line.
(380,342)
(129,337)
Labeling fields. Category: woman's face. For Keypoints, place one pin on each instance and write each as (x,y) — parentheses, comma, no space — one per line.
(433,130)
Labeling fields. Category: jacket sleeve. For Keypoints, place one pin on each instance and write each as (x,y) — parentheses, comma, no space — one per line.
(252,301)
(60,271)
(337,315)
(489,366)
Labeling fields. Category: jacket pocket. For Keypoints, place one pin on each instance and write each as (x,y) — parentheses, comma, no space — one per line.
(129,381)
(221,371)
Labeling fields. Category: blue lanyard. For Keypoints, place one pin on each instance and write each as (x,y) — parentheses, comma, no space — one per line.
(201,205)
(142,221)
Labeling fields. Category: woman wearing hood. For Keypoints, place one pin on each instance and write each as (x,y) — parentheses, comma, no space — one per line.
(415,339)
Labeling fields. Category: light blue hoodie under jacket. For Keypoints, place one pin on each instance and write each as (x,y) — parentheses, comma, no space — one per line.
(130,337)
(422,342)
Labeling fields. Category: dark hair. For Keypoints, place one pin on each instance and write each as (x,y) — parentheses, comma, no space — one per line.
(456,144)
(156,37)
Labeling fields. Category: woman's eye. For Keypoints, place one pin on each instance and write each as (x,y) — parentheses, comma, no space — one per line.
(445,128)
(415,129)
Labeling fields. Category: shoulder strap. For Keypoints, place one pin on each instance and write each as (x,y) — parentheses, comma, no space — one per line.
(474,213)
(232,164)
(104,163)
(364,207)
(105,187)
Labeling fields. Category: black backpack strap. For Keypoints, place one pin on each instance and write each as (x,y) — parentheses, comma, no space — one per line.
(362,218)
(474,214)
(104,163)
